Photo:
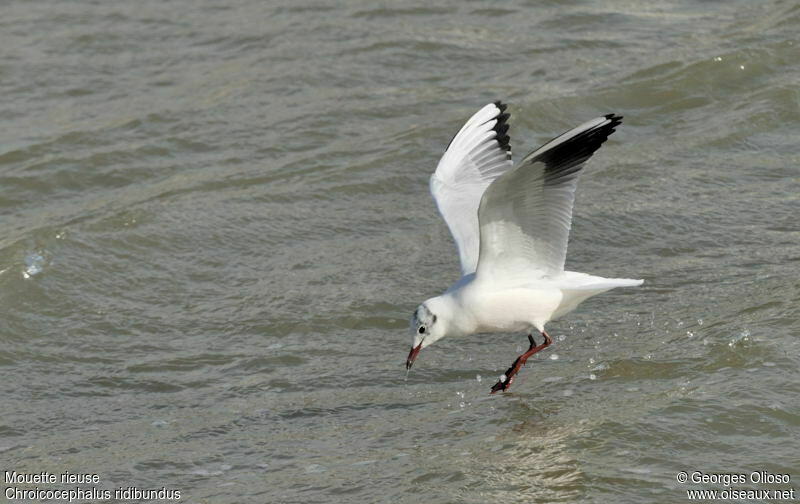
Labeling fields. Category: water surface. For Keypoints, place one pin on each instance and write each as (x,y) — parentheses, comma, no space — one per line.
(216,225)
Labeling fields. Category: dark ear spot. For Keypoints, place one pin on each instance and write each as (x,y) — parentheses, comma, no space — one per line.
(434,319)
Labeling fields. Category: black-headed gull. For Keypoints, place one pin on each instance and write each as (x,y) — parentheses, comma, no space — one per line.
(511,225)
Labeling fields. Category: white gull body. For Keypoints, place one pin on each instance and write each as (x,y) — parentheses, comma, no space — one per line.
(511,226)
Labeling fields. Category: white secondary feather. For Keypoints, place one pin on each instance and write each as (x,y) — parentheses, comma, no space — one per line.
(476,156)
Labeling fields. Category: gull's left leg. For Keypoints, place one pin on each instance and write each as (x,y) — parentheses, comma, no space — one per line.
(521,360)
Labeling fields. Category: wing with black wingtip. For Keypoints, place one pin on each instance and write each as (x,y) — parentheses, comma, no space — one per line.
(477,155)
(526,214)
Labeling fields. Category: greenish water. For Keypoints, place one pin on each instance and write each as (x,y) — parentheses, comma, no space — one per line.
(216,225)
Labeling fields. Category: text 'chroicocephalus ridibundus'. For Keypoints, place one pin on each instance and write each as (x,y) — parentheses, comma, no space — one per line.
(511,225)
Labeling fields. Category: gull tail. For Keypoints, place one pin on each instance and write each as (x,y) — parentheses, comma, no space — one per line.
(578,287)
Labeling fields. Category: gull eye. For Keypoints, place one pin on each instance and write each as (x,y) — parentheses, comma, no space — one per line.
(422,330)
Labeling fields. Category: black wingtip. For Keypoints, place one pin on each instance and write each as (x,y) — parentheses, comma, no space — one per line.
(501,129)
(615,121)
(565,159)
(502,126)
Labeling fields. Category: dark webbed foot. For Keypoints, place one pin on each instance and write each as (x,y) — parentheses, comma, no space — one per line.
(502,384)
(511,372)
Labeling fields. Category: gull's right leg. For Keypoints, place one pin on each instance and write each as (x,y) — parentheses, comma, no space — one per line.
(521,360)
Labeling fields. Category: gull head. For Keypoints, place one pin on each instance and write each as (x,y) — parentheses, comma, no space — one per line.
(426,327)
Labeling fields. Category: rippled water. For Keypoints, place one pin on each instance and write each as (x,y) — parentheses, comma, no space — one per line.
(216,224)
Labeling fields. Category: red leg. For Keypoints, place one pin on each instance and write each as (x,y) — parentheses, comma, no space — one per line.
(521,360)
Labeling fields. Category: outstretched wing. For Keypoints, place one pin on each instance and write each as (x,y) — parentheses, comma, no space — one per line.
(477,155)
(526,214)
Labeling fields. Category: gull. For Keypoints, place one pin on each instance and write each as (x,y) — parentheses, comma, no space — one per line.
(511,226)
